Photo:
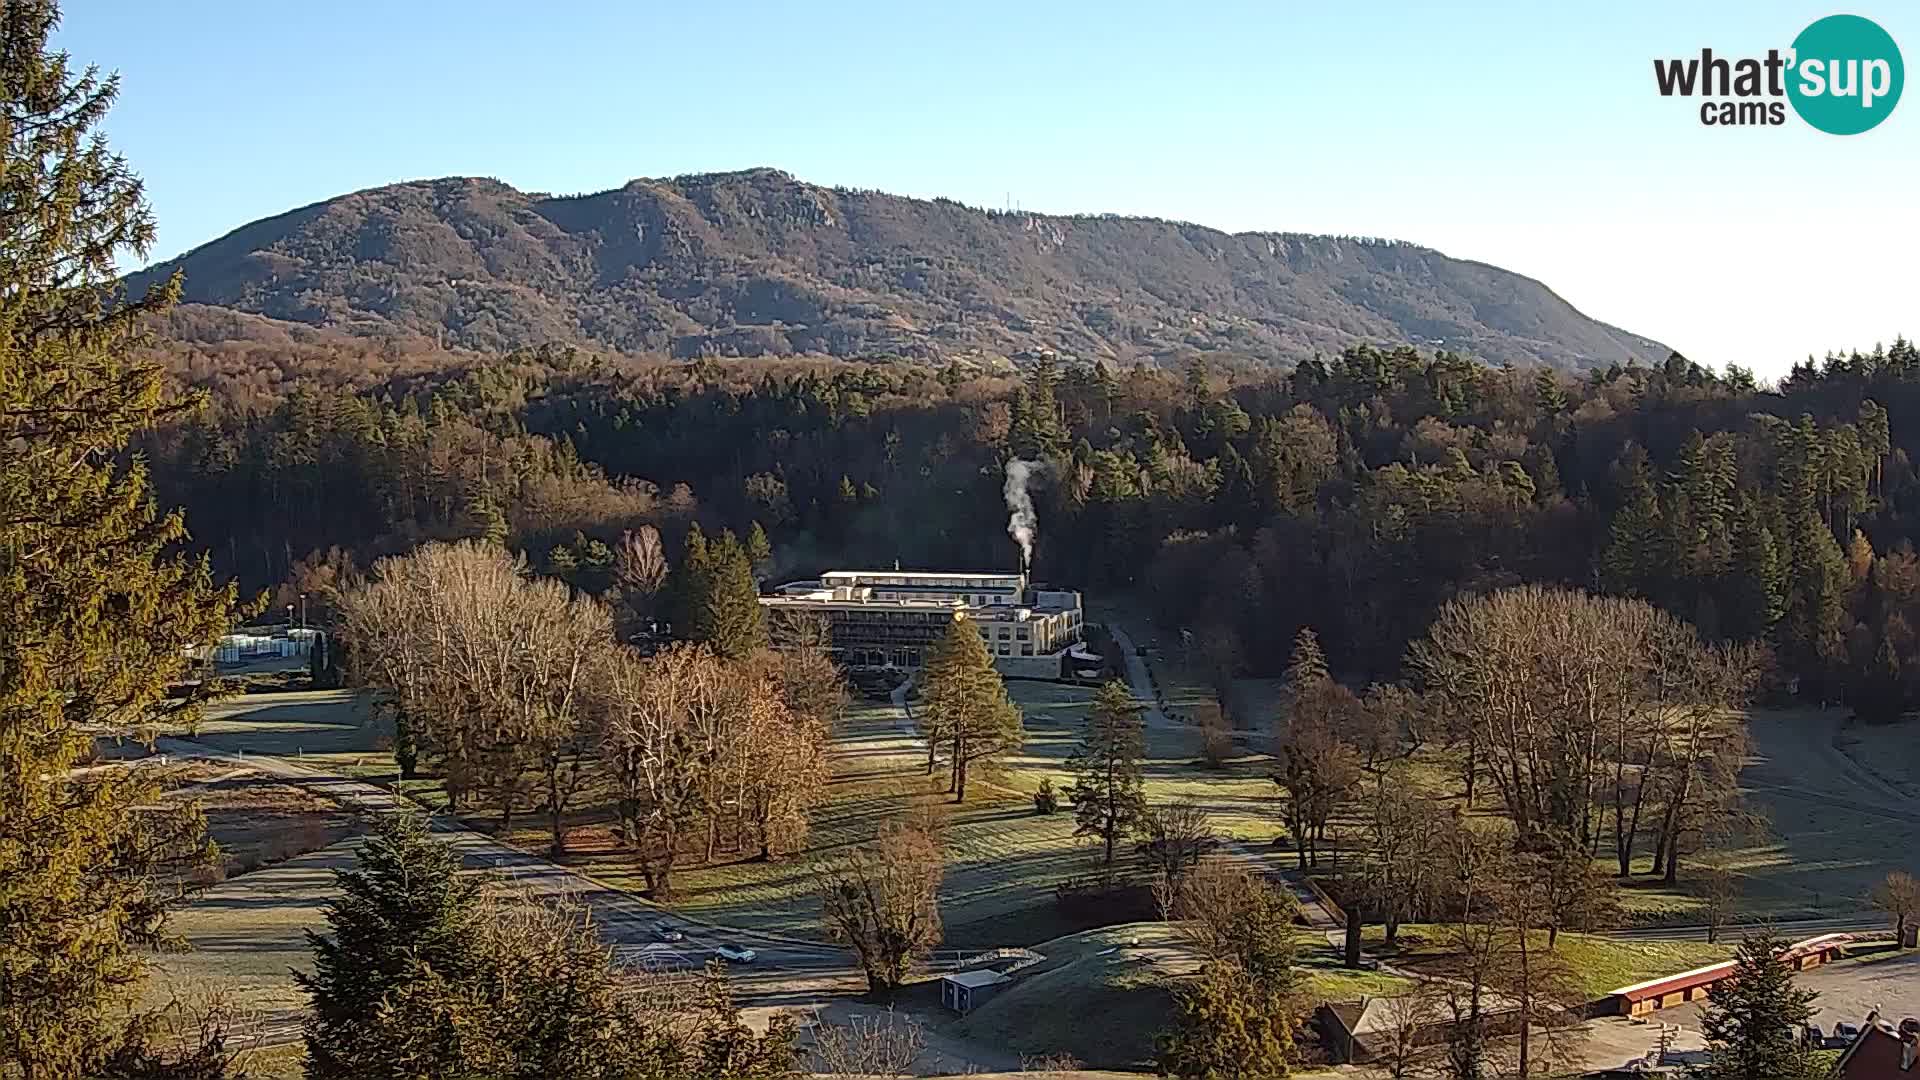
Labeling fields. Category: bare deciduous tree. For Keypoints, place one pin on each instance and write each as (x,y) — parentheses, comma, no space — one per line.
(1400,876)
(1899,896)
(1173,838)
(874,1044)
(1406,1050)
(639,574)
(1575,707)
(646,707)
(487,666)
(1719,888)
(1230,916)
(883,901)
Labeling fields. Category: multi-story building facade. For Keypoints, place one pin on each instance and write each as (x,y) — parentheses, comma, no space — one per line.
(892,618)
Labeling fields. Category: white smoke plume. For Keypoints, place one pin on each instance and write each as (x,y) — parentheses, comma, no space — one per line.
(1021,519)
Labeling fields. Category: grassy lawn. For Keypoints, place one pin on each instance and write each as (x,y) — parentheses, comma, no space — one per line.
(1104,995)
(1003,858)
(1324,979)
(245,933)
(1101,996)
(331,730)
(1600,964)
(258,820)
(1239,796)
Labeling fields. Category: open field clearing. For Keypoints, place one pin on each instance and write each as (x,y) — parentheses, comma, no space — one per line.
(1834,823)
(1600,964)
(258,820)
(1838,827)
(1002,857)
(332,730)
(1104,995)
(1240,797)
(1891,752)
(1004,860)
(246,933)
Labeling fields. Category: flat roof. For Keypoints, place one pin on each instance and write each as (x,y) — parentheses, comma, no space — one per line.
(956,574)
(981,613)
(1667,984)
(981,977)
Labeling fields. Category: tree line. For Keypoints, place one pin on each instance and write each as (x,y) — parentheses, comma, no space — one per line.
(517,690)
(1354,494)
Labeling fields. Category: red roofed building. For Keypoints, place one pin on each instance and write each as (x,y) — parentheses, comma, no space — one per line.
(1883,1052)
(1670,990)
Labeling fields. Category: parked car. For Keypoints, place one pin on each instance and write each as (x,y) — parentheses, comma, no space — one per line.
(1843,1036)
(738,954)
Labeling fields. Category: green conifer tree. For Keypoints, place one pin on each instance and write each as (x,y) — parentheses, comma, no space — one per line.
(1227,1027)
(1107,793)
(759,549)
(390,985)
(1634,561)
(1755,600)
(966,707)
(1307,666)
(690,587)
(733,621)
(96,613)
(1752,1021)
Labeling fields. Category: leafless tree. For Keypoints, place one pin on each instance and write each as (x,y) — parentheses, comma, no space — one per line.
(1899,896)
(882,900)
(1719,889)
(639,575)
(646,707)
(1574,705)
(775,760)
(1230,916)
(1400,875)
(1051,1066)
(1539,981)
(875,1044)
(1173,838)
(803,671)
(489,664)
(1405,1050)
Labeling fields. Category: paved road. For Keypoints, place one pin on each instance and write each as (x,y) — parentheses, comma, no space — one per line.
(637,929)
(1138,680)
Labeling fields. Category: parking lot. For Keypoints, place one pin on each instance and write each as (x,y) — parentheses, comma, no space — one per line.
(1889,982)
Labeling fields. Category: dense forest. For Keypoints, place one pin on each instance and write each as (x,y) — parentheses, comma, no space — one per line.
(1354,493)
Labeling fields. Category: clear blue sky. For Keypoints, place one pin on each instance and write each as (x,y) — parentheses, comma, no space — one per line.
(1528,135)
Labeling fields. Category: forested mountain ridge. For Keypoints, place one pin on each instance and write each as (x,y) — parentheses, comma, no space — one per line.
(756,263)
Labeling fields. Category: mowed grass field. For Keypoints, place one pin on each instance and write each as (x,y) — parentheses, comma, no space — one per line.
(1600,965)
(1839,806)
(1832,795)
(1004,859)
(247,933)
(1103,996)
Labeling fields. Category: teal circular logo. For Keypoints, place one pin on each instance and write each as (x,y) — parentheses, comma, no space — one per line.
(1846,74)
